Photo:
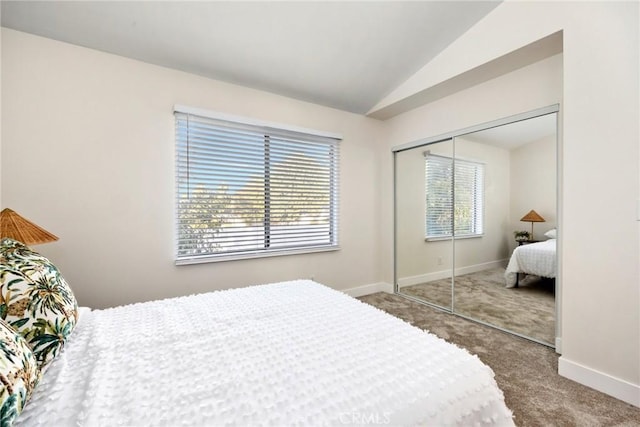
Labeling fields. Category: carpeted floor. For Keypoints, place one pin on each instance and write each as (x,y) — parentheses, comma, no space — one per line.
(525,371)
(528,309)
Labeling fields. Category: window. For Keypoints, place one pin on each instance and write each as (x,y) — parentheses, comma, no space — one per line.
(251,189)
(446,181)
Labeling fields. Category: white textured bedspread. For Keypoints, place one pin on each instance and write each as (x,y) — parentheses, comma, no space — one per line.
(293,353)
(538,259)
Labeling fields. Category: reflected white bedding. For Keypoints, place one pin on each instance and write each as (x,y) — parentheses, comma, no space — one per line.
(538,259)
(281,354)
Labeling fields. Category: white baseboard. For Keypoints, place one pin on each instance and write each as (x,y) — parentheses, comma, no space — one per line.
(620,389)
(444,274)
(372,288)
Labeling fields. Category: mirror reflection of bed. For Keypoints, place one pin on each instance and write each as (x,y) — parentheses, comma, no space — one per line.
(479,270)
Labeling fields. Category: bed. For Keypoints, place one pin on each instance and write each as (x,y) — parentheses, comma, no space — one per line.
(289,353)
(538,259)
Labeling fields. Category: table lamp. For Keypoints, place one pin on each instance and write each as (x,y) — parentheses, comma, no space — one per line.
(532,217)
(16,227)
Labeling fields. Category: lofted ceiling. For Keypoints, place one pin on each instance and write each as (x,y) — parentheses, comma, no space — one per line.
(346,55)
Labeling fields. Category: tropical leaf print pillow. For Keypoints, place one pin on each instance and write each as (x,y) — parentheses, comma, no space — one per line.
(35,300)
(18,374)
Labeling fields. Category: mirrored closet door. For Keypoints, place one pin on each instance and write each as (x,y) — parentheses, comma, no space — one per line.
(459,202)
(425,269)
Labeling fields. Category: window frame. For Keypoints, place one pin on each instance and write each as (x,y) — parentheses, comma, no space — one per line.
(268,128)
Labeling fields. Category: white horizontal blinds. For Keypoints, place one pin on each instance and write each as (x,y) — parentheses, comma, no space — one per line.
(446,181)
(439,195)
(469,195)
(251,189)
(301,192)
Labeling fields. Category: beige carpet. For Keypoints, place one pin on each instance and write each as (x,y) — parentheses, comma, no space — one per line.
(525,371)
(528,310)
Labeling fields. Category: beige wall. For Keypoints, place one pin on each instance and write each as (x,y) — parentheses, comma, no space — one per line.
(90,138)
(533,186)
(600,272)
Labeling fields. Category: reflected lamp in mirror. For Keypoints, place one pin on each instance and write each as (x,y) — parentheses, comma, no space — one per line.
(532,217)
(16,227)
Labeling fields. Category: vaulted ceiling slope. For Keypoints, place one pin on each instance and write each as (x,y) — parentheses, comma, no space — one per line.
(346,55)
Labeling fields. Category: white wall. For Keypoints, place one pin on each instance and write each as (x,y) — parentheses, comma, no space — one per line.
(600,274)
(88,143)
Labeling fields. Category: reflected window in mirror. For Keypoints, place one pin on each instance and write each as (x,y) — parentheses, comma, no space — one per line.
(447,181)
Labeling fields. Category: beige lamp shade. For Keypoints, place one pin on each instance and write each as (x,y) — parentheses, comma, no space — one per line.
(532,217)
(14,226)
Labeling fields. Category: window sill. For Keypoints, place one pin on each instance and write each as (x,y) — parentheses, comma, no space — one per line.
(445,238)
(201,259)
